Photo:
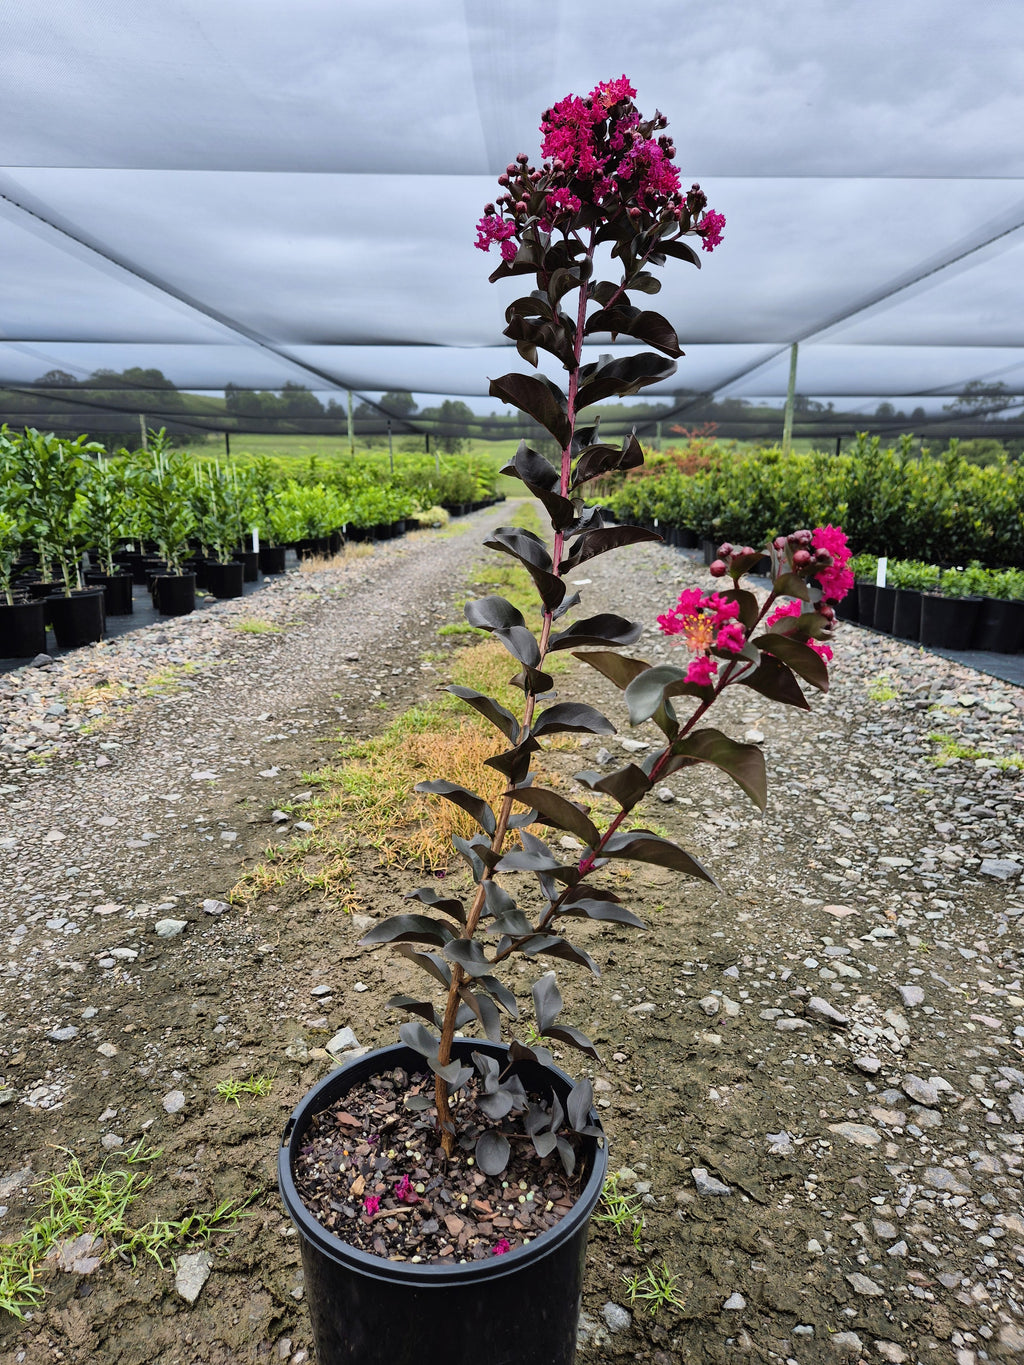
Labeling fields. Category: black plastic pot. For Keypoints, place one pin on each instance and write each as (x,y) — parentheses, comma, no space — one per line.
(709,549)
(948,622)
(999,628)
(117,591)
(865,603)
(79,619)
(337,541)
(517,1309)
(885,605)
(250,562)
(225,580)
(174,594)
(687,538)
(272,558)
(22,630)
(846,609)
(906,615)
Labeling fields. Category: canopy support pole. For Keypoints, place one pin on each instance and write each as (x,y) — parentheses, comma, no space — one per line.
(787,425)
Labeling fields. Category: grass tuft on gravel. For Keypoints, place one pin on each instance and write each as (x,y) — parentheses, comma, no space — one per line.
(86,1222)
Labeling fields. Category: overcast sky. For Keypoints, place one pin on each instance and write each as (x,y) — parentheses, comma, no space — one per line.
(244,190)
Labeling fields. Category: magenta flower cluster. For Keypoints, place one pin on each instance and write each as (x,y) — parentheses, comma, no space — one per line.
(404,1191)
(704,621)
(599,153)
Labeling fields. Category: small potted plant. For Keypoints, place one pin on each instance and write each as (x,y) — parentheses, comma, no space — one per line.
(104,508)
(22,624)
(163,484)
(221,531)
(397,1168)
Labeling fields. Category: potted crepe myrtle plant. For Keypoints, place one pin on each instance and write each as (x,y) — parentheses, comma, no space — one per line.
(442,1187)
(163,481)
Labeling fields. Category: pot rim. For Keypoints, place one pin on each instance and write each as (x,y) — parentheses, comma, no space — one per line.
(426,1274)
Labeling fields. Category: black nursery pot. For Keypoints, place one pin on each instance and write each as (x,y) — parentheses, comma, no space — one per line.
(79,619)
(250,562)
(272,558)
(948,622)
(1000,626)
(885,605)
(906,615)
(518,1309)
(174,594)
(225,580)
(117,592)
(865,603)
(22,630)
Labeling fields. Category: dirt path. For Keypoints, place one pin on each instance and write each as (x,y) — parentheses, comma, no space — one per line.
(813,1079)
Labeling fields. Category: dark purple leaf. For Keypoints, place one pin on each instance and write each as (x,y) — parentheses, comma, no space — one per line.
(801,658)
(605,629)
(492,1152)
(571,717)
(493,613)
(468,801)
(489,708)
(774,680)
(407,929)
(538,399)
(547,1001)
(645,847)
(621,377)
(744,763)
(556,810)
(594,543)
(469,956)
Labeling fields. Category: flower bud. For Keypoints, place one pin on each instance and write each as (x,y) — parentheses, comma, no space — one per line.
(523,158)
(503,180)
(801,559)
(521,206)
(489,209)
(779,543)
(748,550)
(717,568)
(725,549)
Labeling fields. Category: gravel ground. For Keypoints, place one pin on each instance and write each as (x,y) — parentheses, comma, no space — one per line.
(834,1046)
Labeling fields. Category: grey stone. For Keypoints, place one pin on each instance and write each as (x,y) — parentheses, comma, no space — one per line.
(911,995)
(870,1066)
(822,1011)
(319,991)
(711,1004)
(920,1091)
(616,1317)
(938,1178)
(192,1273)
(735,1303)
(214,907)
(602,757)
(1017,1107)
(174,1102)
(665,794)
(1002,869)
(343,1041)
(591,1333)
(860,1284)
(707,1184)
(63,1035)
(846,1343)
(170,928)
(860,1134)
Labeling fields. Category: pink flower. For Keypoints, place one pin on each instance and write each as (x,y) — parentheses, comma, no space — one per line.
(731,637)
(370,1205)
(509,251)
(491,229)
(701,670)
(501,1246)
(611,92)
(836,580)
(561,201)
(405,1192)
(710,230)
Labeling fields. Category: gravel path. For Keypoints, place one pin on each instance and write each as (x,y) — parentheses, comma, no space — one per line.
(844,1143)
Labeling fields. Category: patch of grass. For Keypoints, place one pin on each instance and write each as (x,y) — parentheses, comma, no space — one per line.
(232,1089)
(460,628)
(98,1205)
(883,689)
(254,626)
(168,679)
(950,748)
(654,1288)
(621,1211)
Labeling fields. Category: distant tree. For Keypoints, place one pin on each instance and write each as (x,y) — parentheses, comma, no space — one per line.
(979,400)
(57,379)
(398,404)
(453,421)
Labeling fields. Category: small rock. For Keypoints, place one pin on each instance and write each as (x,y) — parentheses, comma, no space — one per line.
(860,1284)
(735,1303)
(707,1184)
(781,1144)
(821,1010)
(63,1035)
(343,1041)
(319,991)
(192,1273)
(212,907)
(41,661)
(911,995)
(111,1141)
(871,1066)
(174,1103)
(860,1134)
(938,1178)
(920,1091)
(170,928)
(1002,869)
(711,1004)
(107,1050)
(665,794)
(616,1317)
(279,816)
(846,1343)
(602,757)
(891,1350)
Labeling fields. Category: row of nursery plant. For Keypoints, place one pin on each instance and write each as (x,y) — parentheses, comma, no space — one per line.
(892,501)
(973,580)
(61,499)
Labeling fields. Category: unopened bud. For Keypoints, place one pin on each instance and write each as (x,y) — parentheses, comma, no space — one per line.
(521,206)
(522,158)
(717,568)
(801,559)
(725,549)
(503,180)
(489,208)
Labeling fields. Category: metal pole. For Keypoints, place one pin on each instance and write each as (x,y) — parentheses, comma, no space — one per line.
(391,450)
(142,428)
(839,446)
(659,435)
(787,425)
(227,444)
(351,428)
